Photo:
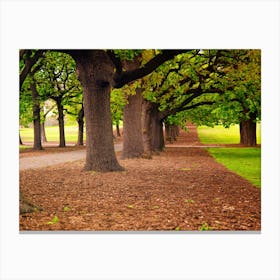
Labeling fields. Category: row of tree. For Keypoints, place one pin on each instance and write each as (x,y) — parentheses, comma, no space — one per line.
(146,89)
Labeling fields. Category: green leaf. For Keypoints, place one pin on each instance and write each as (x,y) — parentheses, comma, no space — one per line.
(204,227)
(53,221)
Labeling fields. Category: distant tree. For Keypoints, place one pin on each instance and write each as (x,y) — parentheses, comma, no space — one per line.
(238,82)
(30,62)
(57,80)
(117,103)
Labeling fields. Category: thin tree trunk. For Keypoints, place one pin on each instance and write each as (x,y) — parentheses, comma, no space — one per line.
(118,130)
(43,133)
(95,72)
(147,128)
(132,129)
(60,123)
(20,141)
(80,120)
(248,132)
(36,118)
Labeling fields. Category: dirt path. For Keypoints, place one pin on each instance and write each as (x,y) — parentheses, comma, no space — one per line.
(183,188)
(44,160)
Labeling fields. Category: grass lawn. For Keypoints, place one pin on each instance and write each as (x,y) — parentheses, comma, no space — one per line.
(52,133)
(246,162)
(22,147)
(221,135)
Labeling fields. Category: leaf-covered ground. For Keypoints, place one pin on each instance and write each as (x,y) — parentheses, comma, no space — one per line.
(183,188)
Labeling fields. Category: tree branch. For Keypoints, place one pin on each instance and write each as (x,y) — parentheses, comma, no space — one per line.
(29,62)
(116,61)
(124,78)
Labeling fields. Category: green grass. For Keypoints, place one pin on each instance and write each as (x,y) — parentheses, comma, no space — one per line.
(246,162)
(221,135)
(52,133)
(21,147)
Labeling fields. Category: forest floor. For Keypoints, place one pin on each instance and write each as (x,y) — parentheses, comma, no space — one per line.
(182,188)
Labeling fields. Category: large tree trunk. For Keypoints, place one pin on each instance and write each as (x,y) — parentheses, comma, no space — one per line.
(147,128)
(95,72)
(248,132)
(132,129)
(36,117)
(60,122)
(80,120)
(43,133)
(157,130)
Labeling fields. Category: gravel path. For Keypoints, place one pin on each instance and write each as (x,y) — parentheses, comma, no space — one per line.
(55,158)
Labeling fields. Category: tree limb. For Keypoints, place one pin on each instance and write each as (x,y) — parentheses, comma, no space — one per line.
(29,62)
(116,61)
(124,78)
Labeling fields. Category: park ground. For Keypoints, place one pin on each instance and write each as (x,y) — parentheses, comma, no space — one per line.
(182,189)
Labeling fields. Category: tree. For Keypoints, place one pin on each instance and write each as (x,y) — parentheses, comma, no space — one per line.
(80,121)
(244,76)
(27,61)
(74,107)
(58,81)
(117,102)
(175,86)
(239,83)
(36,116)
(132,128)
(46,110)
(30,62)
(99,71)
(28,58)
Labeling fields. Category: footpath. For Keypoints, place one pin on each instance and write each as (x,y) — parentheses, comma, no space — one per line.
(54,158)
(189,139)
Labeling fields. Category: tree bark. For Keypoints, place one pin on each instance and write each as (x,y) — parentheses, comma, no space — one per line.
(247,129)
(95,71)
(43,133)
(60,122)
(157,130)
(147,128)
(37,145)
(132,129)
(80,120)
